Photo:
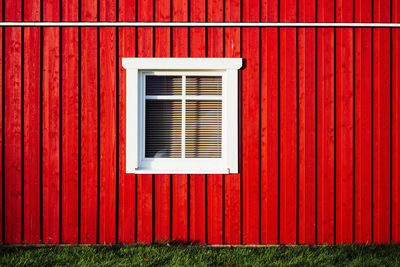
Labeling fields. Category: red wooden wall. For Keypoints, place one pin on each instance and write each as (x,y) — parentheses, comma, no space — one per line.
(319,125)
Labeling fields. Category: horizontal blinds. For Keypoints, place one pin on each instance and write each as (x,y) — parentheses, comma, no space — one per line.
(163,119)
(203,129)
(163,85)
(204,85)
(163,128)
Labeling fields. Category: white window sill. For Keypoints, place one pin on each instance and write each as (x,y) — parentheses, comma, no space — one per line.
(182,171)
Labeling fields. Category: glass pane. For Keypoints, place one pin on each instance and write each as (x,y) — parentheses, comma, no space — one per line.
(204,85)
(163,128)
(203,129)
(163,85)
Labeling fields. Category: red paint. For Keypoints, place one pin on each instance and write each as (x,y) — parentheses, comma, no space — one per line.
(232,182)
(269,126)
(299,143)
(395,125)
(307,115)
(70,125)
(1,128)
(344,124)
(126,196)
(363,125)
(12,137)
(89,126)
(31,126)
(288,124)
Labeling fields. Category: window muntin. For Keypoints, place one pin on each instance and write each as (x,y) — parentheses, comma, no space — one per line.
(185,119)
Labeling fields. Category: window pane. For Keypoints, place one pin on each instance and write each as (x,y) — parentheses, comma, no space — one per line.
(204,85)
(163,128)
(163,85)
(203,129)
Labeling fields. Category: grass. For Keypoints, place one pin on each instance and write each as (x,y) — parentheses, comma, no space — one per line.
(194,255)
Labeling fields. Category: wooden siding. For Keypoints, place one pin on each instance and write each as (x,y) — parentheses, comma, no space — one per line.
(319,139)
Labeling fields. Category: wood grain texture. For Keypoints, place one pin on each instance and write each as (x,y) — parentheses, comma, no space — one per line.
(381,124)
(269,125)
(288,125)
(51,134)
(344,124)
(70,125)
(12,136)
(318,125)
(70,135)
(250,127)
(306,128)
(108,142)
(325,126)
(107,135)
(126,195)
(363,124)
(395,125)
(1,126)
(31,135)
(31,126)
(89,125)
(232,200)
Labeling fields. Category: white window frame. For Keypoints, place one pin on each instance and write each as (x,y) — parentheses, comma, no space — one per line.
(136,69)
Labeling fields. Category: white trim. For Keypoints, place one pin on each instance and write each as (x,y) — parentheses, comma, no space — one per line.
(182,63)
(203,24)
(137,69)
(132,124)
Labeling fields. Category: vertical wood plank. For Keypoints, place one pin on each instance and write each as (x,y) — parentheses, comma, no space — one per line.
(126,197)
(31,125)
(107,124)
(144,182)
(1,125)
(51,123)
(89,125)
(250,124)
(381,124)
(12,125)
(363,124)
(395,124)
(214,182)
(288,125)
(344,124)
(70,125)
(306,109)
(325,125)
(179,182)
(197,201)
(232,181)
(269,125)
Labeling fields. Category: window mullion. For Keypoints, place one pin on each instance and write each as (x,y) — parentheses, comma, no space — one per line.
(183,142)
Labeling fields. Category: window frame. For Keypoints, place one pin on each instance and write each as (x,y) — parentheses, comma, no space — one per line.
(136,69)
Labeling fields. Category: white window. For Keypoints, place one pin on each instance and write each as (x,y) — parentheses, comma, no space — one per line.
(182,115)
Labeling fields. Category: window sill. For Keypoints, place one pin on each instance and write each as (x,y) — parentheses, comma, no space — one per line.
(182,171)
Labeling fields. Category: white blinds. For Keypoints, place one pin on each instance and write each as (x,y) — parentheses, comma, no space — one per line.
(186,125)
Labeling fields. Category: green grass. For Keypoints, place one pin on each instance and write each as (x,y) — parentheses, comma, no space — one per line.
(194,255)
